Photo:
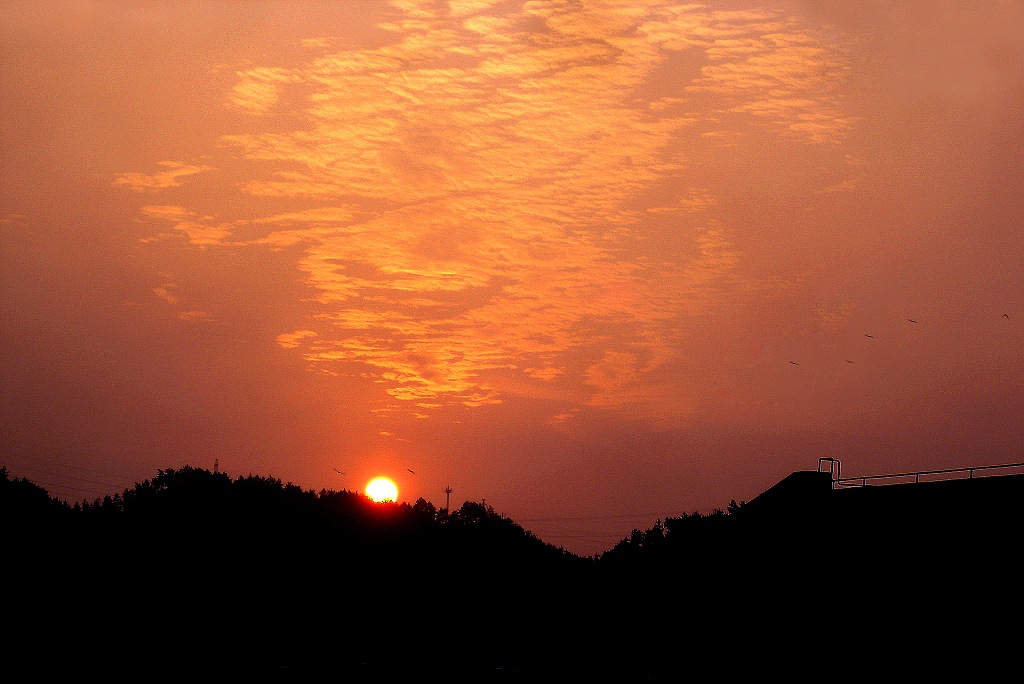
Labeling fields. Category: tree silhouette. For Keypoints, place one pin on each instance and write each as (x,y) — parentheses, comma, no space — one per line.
(195,571)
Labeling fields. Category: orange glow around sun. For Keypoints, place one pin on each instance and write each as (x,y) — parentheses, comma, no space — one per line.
(381,489)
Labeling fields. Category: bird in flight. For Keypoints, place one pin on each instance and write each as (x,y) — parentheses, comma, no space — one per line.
(794,363)
(410,470)
(338,471)
(849,361)
(912,320)
(866,335)
(1006,315)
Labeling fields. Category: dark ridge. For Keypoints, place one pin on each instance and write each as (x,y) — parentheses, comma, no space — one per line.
(196,574)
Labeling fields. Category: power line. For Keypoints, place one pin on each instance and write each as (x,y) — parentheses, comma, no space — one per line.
(60,486)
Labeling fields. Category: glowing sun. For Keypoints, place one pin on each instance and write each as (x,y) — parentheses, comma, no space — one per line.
(382,489)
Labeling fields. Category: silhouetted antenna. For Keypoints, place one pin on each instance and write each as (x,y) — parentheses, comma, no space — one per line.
(447,498)
(216,466)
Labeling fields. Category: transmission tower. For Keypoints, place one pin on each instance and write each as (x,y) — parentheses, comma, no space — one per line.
(447,498)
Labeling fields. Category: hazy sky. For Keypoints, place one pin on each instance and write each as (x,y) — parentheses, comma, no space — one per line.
(592,262)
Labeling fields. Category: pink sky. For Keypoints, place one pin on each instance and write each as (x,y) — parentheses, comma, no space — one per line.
(592,262)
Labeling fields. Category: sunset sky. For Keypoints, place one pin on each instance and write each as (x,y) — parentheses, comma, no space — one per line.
(592,262)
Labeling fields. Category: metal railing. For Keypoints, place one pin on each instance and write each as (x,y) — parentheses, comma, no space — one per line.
(904,478)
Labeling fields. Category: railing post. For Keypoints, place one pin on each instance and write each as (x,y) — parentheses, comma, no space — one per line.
(833,469)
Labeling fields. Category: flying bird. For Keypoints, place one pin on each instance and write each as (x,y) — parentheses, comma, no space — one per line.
(866,335)
(794,363)
(912,320)
(338,471)
(410,470)
(1006,315)
(849,361)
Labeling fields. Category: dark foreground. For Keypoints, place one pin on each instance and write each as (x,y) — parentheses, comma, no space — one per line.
(816,590)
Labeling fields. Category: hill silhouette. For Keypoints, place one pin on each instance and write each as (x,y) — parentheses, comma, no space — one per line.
(195,573)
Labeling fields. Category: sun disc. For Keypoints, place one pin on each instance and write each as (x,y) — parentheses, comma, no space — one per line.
(381,489)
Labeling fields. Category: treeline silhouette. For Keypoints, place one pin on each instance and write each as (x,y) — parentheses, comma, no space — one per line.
(194,572)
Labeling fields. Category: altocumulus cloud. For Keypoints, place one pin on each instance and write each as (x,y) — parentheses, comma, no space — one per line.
(169,178)
(470,218)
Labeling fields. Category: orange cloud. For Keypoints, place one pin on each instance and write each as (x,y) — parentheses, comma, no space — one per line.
(294,339)
(778,72)
(165,293)
(195,316)
(469,221)
(162,179)
(258,90)
(197,232)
